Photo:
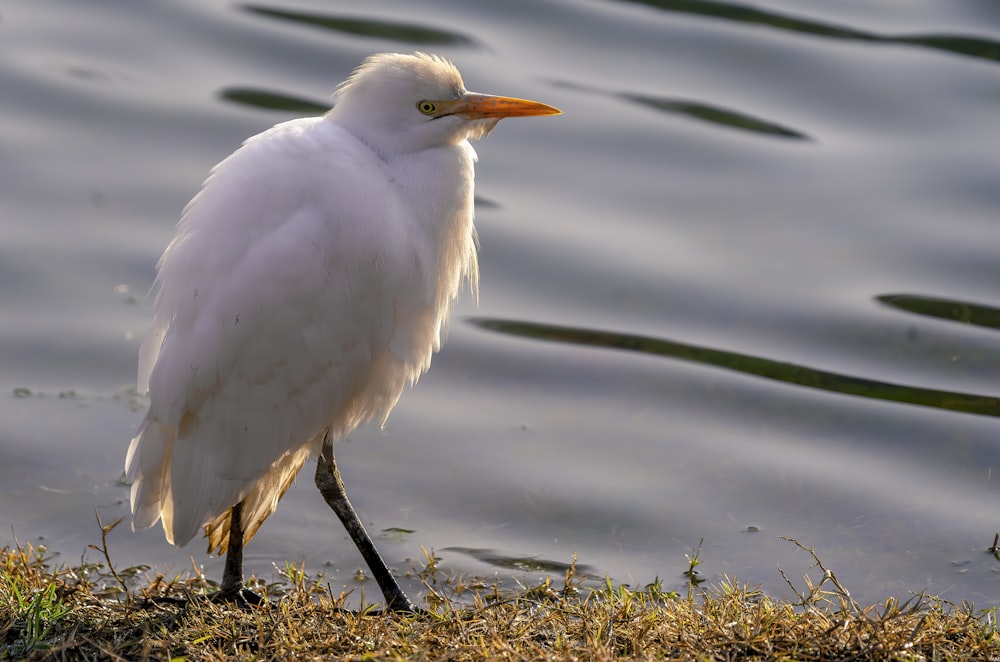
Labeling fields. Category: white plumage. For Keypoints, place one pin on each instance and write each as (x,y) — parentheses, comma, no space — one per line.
(309,281)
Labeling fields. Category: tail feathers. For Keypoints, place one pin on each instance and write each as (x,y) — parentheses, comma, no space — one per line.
(150,465)
(198,500)
(200,496)
(147,466)
(260,501)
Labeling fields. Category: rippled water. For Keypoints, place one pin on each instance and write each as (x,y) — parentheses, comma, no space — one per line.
(746,287)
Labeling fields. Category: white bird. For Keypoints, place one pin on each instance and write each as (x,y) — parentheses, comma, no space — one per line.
(308,282)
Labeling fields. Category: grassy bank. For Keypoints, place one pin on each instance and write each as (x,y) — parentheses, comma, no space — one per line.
(95,611)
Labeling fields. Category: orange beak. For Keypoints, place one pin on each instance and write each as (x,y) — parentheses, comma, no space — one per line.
(473,106)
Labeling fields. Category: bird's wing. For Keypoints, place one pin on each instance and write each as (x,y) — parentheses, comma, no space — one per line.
(275,310)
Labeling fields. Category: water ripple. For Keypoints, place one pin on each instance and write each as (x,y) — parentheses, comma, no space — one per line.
(524,563)
(715,115)
(790,373)
(366,27)
(257,98)
(704,112)
(952,310)
(977,47)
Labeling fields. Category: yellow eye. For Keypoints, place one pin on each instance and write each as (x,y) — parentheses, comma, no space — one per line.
(427,107)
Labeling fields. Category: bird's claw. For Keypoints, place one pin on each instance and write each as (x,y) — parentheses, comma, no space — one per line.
(241,597)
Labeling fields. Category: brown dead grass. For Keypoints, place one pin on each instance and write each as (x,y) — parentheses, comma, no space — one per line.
(94,612)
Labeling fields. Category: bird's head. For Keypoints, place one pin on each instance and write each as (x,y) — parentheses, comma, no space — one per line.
(399,103)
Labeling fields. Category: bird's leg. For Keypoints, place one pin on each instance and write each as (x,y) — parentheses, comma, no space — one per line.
(331,486)
(232,577)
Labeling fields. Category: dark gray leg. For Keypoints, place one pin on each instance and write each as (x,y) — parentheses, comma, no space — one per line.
(232,577)
(331,486)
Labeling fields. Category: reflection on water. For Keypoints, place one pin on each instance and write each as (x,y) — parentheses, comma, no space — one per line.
(272,101)
(974,47)
(407,33)
(530,564)
(781,371)
(716,115)
(973,314)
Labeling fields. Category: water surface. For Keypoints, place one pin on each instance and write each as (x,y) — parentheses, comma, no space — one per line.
(745,288)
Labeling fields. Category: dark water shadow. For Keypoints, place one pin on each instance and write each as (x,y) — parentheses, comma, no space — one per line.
(951,310)
(715,115)
(697,110)
(523,563)
(789,373)
(977,47)
(366,27)
(257,98)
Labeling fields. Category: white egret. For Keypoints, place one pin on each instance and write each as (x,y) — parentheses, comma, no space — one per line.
(309,281)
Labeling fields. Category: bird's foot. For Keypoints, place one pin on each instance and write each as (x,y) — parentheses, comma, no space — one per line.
(399,607)
(241,597)
(406,608)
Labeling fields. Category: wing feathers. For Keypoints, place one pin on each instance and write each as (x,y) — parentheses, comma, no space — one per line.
(287,305)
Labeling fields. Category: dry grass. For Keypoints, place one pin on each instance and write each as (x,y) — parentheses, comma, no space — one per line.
(96,612)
